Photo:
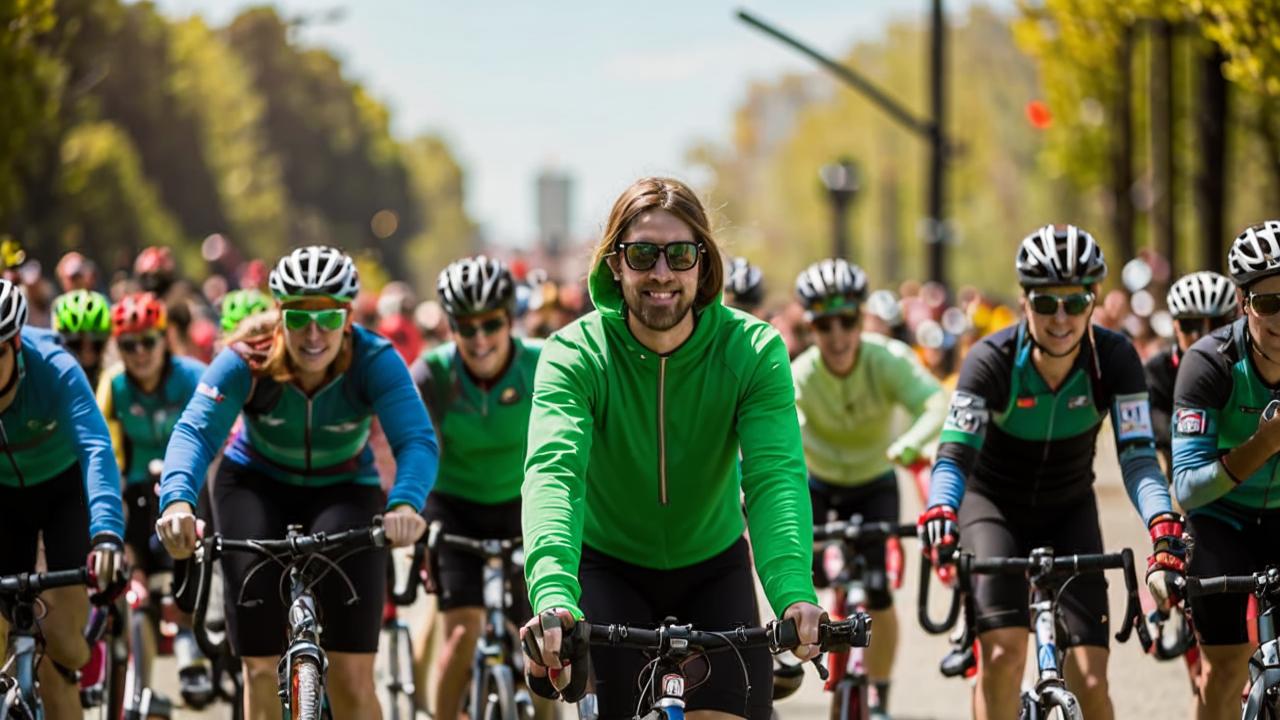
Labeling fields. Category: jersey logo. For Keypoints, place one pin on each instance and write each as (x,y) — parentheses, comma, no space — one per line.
(510,396)
(1133,416)
(1191,421)
(342,427)
(209,391)
(1078,402)
(968,414)
(137,410)
(271,420)
(1026,402)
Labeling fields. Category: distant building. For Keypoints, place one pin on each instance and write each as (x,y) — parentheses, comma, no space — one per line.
(554,189)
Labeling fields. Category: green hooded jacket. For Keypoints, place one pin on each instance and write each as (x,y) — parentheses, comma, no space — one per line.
(637,454)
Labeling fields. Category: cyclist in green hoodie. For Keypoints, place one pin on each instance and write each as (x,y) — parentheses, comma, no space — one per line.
(631,507)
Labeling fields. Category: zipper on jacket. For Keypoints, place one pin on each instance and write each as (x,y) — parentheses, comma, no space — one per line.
(4,435)
(662,430)
(306,438)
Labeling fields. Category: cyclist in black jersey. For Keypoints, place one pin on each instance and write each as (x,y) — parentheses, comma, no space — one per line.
(1021,435)
(1226,461)
(1200,303)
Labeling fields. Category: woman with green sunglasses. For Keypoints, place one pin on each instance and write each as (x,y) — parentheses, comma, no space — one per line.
(1018,448)
(308,391)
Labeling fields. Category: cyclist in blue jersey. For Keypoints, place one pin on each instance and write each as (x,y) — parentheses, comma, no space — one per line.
(58,480)
(308,394)
(1226,459)
(1021,436)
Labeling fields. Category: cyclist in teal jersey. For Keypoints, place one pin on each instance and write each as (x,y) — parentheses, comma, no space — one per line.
(633,488)
(479,389)
(59,481)
(1021,438)
(141,400)
(1226,461)
(302,457)
(82,319)
(847,387)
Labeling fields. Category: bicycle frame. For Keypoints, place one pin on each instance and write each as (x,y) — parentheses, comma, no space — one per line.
(304,633)
(18,683)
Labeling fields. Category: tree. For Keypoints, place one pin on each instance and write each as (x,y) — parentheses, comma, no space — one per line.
(31,83)
(449,233)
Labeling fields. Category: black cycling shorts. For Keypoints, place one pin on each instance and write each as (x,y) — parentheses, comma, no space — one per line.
(876,501)
(460,579)
(140,504)
(55,509)
(249,505)
(1229,548)
(989,529)
(716,594)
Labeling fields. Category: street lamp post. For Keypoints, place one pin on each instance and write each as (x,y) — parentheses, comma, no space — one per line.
(842,183)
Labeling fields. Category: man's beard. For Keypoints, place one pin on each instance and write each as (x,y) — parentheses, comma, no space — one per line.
(658,319)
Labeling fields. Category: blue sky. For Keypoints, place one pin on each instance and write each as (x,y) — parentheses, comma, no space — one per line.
(605,91)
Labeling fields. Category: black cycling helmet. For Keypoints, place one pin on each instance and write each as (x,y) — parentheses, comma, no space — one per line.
(476,285)
(1059,255)
(1255,254)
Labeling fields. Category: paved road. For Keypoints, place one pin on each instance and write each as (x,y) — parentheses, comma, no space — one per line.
(1141,687)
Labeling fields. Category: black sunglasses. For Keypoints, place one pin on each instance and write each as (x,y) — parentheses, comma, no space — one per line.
(80,342)
(131,345)
(641,256)
(488,327)
(847,321)
(1074,304)
(1268,304)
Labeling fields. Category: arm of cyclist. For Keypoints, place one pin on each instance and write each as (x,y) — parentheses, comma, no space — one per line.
(1201,473)
(983,386)
(79,411)
(779,514)
(412,438)
(197,437)
(106,403)
(555,469)
(1161,405)
(916,389)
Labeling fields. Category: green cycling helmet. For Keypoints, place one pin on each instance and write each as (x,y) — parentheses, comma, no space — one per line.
(240,304)
(82,312)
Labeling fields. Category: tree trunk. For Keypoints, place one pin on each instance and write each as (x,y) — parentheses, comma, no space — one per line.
(1212,115)
(1161,136)
(1122,150)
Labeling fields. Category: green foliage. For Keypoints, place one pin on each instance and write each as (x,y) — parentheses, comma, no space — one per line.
(435,179)
(31,83)
(1248,32)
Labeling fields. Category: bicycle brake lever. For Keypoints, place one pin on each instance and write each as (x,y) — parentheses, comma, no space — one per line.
(823,673)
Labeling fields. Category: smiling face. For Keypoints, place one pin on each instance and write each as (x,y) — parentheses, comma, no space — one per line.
(659,297)
(1265,329)
(1058,332)
(838,336)
(311,347)
(143,354)
(484,342)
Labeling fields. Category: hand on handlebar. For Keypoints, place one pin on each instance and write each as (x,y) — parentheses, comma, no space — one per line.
(179,530)
(807,617)
(403,526)
(939,531)
(542,638)
(1166,566)
(106,565)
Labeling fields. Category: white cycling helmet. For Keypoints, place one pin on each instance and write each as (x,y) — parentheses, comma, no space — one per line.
(1202,294)
(1059,255)
(1255,254)
(316,270)
(744,282)
(830,284)
(13,310)
(476,285)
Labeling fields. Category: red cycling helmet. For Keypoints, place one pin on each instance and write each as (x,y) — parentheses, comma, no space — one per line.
(137,313)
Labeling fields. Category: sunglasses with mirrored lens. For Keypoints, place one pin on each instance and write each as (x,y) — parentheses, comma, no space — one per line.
(486,328)
(1074,304)
(1268,304)
(641,256)
(129,346)
(826,323)
(329,319)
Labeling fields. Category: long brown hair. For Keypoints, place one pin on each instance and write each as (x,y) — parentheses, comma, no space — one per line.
(661,193)
(263,334)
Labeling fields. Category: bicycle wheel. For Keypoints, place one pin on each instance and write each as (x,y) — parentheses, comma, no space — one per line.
(12,706)
(849,700)
(498,696)
(306,689)
(393,671)
(1061,700)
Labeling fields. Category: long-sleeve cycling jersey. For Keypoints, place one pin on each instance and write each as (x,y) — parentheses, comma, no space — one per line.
(316,440)
(1013,438)
(1162,370)
(141,422)
(1218,401)
(846,421)
(54,423)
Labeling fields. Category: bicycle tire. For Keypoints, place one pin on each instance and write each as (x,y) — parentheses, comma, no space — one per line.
(117,672)
(1061,699)
(498,695)
(306,689)
(393,690)
(849,701)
